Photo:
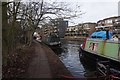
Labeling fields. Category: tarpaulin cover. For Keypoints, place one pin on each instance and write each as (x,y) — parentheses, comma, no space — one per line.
(101,34)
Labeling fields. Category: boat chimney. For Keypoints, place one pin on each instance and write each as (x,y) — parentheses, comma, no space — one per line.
(107,34)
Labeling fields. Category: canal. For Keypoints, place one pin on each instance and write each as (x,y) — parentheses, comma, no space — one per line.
(68,53)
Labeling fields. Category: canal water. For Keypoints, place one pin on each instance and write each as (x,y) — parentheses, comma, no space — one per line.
(69,55)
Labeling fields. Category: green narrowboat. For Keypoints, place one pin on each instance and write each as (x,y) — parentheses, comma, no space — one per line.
(101,46)
(52,39)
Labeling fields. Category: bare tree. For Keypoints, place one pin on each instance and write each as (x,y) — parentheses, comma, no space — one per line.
(4,32)
(9,28)
(36,13)
(29,15)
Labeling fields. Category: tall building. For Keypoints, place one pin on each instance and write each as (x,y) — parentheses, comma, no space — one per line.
(61,25)
(57,26)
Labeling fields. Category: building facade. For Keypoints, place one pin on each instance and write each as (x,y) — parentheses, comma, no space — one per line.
(47,30)
(61,25)
(55,26)
(84,29)
(110,22)
(89,27)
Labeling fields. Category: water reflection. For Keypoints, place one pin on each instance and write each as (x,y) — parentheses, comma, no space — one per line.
(69,55)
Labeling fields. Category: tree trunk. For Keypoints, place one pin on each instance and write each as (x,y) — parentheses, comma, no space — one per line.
(29,35)
(5,41)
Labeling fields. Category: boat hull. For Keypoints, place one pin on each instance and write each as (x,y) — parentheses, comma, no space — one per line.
(51,40)
(93,58)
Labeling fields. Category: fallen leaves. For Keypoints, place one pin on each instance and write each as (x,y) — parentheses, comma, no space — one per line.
(18,62)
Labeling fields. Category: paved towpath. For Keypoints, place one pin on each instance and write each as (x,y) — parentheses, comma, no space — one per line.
(45,64)
(39,67)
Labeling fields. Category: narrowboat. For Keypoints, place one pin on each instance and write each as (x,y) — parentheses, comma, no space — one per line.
(102,45)
(52,39)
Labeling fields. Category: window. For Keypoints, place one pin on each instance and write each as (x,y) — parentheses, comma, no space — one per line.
(108,21)
(93,46)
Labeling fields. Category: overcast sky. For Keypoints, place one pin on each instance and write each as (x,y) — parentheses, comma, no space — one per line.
(94,9)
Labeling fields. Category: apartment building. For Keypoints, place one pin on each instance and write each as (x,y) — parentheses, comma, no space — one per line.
(84,29)
(55,26)
(89,27)
(110,22)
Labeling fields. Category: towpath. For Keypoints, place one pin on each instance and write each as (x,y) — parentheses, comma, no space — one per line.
(45,64)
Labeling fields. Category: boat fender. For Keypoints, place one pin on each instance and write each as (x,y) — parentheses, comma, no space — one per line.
(84,43)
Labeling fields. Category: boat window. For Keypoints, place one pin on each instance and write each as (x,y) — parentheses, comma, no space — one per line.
(93,46)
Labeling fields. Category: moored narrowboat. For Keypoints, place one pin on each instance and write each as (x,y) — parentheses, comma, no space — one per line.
(101,46)
(52,39)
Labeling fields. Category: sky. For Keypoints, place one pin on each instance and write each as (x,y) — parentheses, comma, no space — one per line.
(94,10)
